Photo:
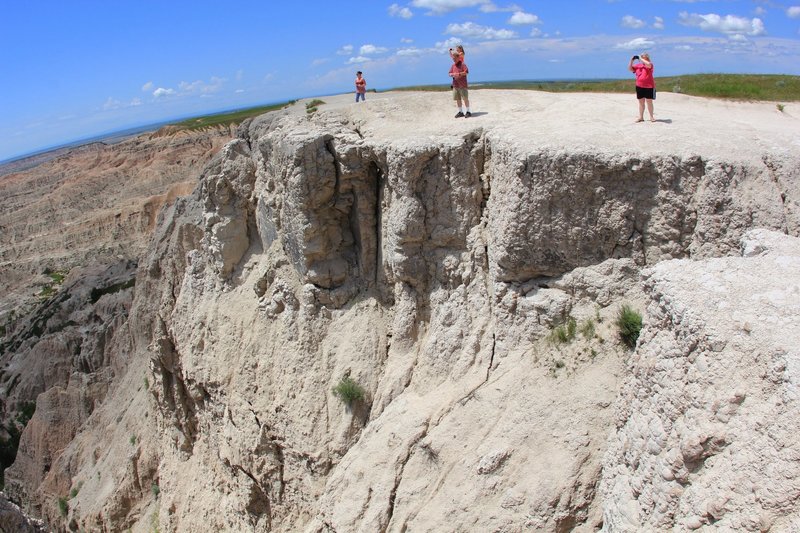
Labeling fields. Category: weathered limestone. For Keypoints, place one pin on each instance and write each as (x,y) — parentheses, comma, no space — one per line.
(429,261)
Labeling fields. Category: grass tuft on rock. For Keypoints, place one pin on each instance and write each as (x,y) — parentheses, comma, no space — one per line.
(629,323)
(349,391)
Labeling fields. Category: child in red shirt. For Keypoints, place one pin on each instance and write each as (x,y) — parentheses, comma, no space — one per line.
(361,87)
(459,71)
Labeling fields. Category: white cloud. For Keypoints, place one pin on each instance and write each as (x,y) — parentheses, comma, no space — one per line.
(729,24)
(318,62)
(684,47)
(345,50)
(635,44)
(111,104)
(400,12)
(793,12)
(760,11)
(238,91)
(658,23)
(536,32)
(370,49)
(444,46)
(162,92)
(200,86)
(135,102)
(520,18)
(406,40)
(410,52)
(629,21)
(476,31)
(490,7)
(147,87)
(359,59)
(439,7)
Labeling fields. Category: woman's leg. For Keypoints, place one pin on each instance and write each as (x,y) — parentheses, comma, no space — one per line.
(641,109)
(649,109)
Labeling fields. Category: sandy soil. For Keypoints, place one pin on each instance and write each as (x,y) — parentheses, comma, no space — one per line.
(685,125)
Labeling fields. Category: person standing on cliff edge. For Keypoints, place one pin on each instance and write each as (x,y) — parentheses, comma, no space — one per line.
(645,84)
(459,71)
(361,87)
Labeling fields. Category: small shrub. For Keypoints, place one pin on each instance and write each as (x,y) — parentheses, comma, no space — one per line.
(629,322)
(146,383)
(73,492)
(314,103)
(559,363)
(63,506)
(780,107)
(155,489)
(348,391)
(133,440)
(587,329)
(565,332)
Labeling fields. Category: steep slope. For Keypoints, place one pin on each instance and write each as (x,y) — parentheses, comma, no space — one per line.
(429,261)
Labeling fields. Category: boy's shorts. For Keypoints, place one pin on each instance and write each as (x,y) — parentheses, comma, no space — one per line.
(460,93)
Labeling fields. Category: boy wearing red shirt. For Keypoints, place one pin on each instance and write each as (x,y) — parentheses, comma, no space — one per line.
(459,71)
(361,87)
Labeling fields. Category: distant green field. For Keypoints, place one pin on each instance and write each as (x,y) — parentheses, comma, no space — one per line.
(226,119)
(777,88)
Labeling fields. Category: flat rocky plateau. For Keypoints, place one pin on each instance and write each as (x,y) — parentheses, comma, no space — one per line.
(188,385)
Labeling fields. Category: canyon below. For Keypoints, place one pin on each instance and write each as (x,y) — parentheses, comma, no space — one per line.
(179,312)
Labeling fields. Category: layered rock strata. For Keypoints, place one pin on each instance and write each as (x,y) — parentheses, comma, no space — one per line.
(429,265)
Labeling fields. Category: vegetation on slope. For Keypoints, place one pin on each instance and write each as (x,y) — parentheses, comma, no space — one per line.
(734,86)
(226,119)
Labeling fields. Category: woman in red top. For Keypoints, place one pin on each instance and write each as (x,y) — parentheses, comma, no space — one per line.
(645,84)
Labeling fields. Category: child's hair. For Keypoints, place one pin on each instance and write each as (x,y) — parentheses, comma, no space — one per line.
(359,72)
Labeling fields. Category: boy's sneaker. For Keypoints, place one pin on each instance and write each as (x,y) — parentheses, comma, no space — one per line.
(459,114)
(468,114)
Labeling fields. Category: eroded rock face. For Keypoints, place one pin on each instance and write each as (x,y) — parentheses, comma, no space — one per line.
(707,420)
(431,270)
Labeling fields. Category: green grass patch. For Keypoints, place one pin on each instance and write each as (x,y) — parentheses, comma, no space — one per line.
(349,391)
(629,324)
(587,329)
(227,119)
(565,332)
(759,87)
(63,506)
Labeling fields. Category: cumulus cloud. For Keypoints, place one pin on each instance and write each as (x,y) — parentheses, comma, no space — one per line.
(135,102)
(371,49)
(410,52)
(629,21)
(520,18)
(147,87)
(406,40)
(490,7)
(635,44)
(793,12)
(476,31)
(444,46)
(439,7)
(111,103)
(162,92)
(202,87)
(658,23)
(400,12)
(345,50)
(359,59)
(729,24)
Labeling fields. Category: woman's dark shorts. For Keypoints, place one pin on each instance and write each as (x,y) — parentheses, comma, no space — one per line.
(642,92)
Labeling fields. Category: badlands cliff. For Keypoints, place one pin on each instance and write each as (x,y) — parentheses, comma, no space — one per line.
(429,260)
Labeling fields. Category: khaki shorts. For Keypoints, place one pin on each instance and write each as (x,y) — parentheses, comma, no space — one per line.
(460,93)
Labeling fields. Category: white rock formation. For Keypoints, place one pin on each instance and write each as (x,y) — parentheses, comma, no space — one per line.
(708,418)
(429,260)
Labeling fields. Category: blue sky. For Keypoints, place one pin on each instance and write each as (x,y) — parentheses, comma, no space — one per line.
(74,69)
